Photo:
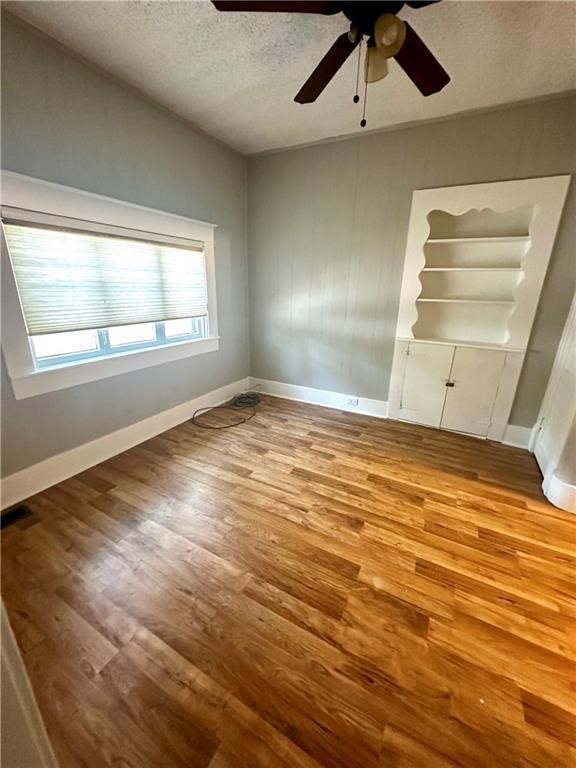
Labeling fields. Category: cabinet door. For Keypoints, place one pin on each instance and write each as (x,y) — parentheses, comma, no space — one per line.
(424,388)
(475,374)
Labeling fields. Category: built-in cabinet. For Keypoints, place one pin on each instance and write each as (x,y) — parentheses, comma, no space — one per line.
(476,259)
(474,380)
(452,387)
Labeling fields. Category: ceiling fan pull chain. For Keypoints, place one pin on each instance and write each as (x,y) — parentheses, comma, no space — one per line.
(356,98)
(363,121)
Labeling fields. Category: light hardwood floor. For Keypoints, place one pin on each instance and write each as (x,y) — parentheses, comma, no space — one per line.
(310,589)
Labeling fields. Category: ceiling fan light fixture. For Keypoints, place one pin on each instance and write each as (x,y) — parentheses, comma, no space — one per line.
(389,35)
(375,67)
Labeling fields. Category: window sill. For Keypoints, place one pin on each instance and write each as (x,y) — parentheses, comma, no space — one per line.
(72,374)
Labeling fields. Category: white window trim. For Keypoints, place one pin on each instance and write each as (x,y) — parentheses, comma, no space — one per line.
(34,198)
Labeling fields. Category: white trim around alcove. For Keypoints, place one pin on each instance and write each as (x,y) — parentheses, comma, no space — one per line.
(544,196)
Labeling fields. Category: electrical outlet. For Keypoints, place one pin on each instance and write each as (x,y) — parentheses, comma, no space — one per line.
(352,401)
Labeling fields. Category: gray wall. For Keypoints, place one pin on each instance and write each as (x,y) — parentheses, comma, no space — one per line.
(327,234)
(68,123)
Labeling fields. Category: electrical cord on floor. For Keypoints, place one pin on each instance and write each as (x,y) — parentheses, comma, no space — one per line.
(239,402)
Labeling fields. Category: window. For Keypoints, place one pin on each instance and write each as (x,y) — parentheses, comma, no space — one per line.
(73,346)
(78,289)
(97,287)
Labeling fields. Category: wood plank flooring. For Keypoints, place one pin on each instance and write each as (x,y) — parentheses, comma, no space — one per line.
(312,588)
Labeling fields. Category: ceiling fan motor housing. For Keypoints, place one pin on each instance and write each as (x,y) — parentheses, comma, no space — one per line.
(363,15)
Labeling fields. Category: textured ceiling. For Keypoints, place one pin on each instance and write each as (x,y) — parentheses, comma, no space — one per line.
(235,74)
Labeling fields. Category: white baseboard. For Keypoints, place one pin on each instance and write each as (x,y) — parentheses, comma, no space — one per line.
(519,437)
(560,492)
(25,483)
(366,405)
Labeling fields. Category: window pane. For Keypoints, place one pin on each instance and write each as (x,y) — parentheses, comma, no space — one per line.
(131,334)
(69,343)
(178,327)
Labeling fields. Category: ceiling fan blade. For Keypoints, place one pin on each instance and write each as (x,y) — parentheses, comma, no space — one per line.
(281,6)
(420,64)
(327,68)
(421,3)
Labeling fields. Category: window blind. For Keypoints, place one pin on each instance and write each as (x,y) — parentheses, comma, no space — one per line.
(70,281)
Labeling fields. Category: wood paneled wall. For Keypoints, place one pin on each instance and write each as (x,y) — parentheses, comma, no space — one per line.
(327,234)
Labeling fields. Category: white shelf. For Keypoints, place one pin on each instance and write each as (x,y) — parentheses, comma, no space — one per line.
(460,343)
(466,301)
(498,239)
(472,269)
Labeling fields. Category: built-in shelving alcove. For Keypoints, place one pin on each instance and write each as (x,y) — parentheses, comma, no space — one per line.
(476,258)
(473,263)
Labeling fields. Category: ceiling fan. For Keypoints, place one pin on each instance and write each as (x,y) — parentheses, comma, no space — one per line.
(387,37)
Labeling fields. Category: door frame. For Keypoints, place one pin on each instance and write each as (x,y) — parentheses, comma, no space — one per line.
(24,738)
(548,462)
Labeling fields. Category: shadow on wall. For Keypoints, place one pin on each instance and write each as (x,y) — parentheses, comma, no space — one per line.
(327,344)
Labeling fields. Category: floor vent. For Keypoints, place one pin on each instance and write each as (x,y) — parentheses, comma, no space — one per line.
(14,515)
